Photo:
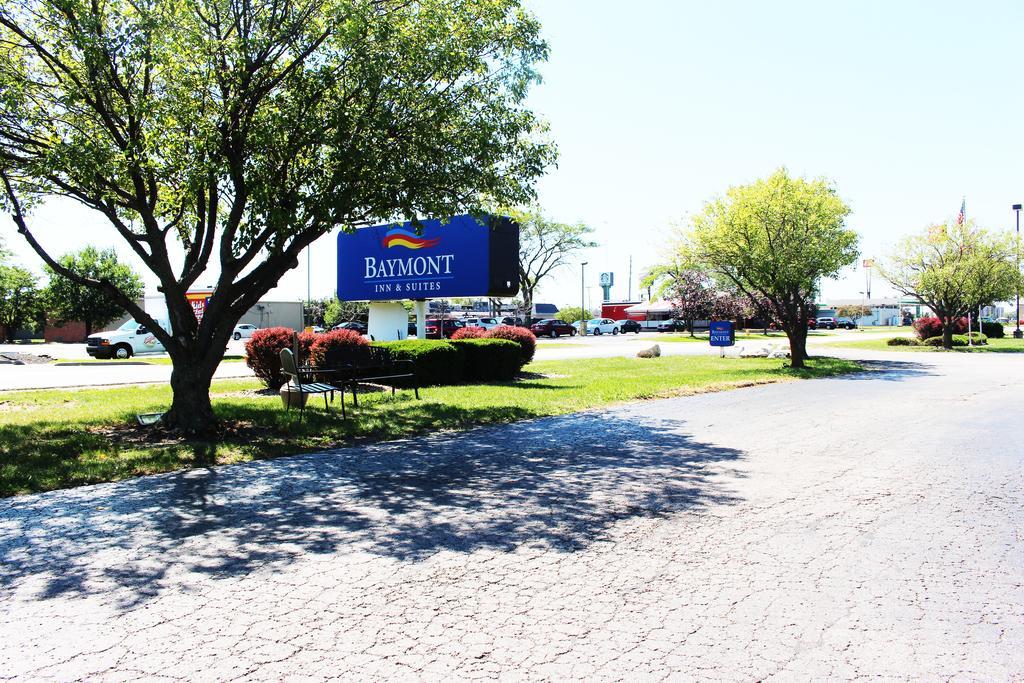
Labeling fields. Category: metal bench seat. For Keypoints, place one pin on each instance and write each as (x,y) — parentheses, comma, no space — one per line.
(295,375)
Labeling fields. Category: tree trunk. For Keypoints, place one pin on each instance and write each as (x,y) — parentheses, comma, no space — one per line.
(797,345)
(947,333)
(191,412)
(689,326)
(88,327)
(528,306)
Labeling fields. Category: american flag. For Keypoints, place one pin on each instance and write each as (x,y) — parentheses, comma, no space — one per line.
(962,216)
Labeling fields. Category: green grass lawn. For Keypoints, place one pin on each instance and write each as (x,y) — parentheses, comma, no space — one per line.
(59,438)
(1004,345)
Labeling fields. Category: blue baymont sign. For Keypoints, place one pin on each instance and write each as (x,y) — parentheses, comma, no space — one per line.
(722,333)
(466,256)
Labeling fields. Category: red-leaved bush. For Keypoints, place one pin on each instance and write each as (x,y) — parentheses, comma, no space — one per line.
(931,326)
(263,353)
(337,339)
(522,336)
(469,333)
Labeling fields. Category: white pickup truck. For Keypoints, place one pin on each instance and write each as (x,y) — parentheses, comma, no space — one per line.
(124,342)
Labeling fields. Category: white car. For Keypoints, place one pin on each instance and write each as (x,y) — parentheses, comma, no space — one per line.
(486,323)
(243,331)
(599,326)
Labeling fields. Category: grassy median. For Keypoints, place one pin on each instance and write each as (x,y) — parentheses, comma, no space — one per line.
(1004,345)
(59,438)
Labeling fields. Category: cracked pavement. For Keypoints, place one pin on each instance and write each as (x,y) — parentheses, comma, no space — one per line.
(867,526)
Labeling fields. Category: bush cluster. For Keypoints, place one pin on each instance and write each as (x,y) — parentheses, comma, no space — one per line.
(437,361)
(958,340)
(330,341)
(903,341)
(489,360)
(931,326)
(461,360)
(993,330)
(472,332)
(520,335)
(263,353)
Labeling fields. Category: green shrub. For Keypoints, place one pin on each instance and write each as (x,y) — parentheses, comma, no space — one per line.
(263,353)
(903,341)
(437,362)
(993,330)
(330,342)
(978,337)
(488,360)
(522,336)
(958,340)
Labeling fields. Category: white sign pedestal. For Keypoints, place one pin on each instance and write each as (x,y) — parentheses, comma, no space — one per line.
(387,321)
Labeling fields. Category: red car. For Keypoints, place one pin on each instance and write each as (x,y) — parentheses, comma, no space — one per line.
(552,328)
(434,328)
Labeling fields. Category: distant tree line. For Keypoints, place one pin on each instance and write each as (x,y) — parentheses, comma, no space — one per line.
(27,304)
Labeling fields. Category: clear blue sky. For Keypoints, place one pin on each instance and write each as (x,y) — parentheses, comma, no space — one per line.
(658,105)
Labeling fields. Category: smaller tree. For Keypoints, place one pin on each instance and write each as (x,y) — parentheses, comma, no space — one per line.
(728,306)
(337,311)
(691,296)
(855,311)
(544,246)
(20,299)
(570,314)
(773,240)
(68,300)
(954,269)
(313,311)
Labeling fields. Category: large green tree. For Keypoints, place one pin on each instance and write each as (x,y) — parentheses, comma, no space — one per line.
(773,240)
(954,269)
(68,299)
(545,246)
(20,299)
(220,138)
(570,314)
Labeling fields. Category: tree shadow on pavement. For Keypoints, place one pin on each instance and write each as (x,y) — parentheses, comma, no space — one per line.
(889,370)
(557,484)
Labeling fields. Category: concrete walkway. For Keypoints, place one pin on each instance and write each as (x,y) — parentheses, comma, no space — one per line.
(867,526)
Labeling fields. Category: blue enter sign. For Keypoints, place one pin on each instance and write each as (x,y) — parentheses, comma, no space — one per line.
(722,333)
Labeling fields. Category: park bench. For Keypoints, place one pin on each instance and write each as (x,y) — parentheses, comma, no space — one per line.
(302,378)
(356,364)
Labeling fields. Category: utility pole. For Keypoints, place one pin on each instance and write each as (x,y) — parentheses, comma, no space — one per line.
(1017,334)
(583,300)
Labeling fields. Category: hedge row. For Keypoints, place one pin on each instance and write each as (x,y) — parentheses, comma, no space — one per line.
(462,360)
(958,340)
(437,361)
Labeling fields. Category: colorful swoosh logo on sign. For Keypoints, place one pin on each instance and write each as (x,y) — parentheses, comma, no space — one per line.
(400,237)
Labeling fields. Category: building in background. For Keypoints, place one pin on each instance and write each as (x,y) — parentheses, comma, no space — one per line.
(275,314)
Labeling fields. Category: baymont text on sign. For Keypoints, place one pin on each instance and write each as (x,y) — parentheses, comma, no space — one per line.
(466,256)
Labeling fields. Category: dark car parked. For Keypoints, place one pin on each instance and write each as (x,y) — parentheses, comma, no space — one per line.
(846,323)
(446,328)
(629,326)
(672,326)
(353,325)
(550,327)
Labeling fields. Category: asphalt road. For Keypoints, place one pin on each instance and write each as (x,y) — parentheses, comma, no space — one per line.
(866,526)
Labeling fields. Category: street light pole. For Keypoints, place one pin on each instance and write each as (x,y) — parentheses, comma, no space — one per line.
(583,299)
(1017,334)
